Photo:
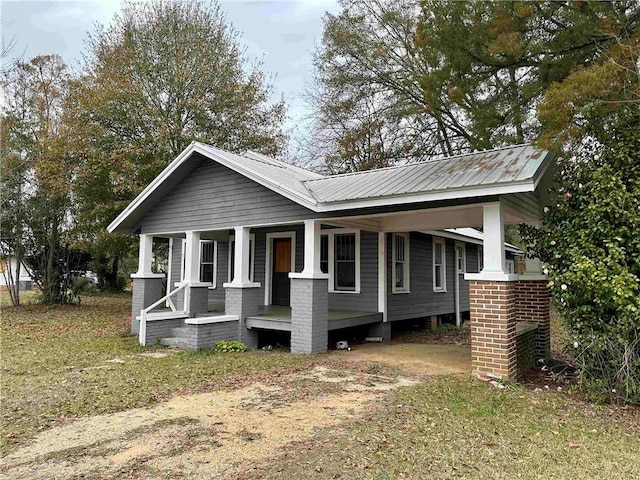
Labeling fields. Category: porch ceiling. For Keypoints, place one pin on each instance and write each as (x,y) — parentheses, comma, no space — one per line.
(431,219)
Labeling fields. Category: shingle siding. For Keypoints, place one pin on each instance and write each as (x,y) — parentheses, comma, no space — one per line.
(213,196)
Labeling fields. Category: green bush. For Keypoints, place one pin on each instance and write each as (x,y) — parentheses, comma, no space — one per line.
(224,346)
(589,242)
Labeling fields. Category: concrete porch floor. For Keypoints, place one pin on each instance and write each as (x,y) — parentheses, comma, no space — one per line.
(275,317)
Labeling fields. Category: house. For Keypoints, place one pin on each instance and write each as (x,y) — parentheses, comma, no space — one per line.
(257,244)
(8,270)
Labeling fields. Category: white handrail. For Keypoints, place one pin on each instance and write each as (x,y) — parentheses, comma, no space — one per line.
(142,329)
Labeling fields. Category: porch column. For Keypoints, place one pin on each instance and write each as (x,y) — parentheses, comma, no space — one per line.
(197,294)
(147,286)
(492,298)
(241,294)
(310,298)
(533,305)
(382,329)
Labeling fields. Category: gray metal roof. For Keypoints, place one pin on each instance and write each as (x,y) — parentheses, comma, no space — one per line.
(280,173)
(510,165)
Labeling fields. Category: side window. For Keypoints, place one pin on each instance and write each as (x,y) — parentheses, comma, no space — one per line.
(345,262)
(400,261)
(461,258)
(208,261)
(480,259)
(439,270)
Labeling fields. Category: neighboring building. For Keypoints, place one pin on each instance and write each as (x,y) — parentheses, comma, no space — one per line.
(25,282)
(257,244)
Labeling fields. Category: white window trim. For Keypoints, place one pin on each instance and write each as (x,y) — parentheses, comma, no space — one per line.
(480,258)
(443,242)
(332,245)
(464,257)
(215,262)
(268,267)
(407,276)
(252,239)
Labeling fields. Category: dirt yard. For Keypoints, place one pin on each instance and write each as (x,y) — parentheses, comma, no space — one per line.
(210,435)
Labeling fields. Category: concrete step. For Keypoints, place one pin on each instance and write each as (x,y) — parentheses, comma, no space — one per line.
(177,342)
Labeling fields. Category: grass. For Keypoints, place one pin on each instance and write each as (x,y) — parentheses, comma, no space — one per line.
(56,365)
(460,428)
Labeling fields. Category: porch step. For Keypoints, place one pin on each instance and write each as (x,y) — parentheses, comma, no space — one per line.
(177,342)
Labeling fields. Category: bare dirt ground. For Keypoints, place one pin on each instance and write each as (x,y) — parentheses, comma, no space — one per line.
(209,435)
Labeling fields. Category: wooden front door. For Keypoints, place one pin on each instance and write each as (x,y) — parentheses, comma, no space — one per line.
(280,284)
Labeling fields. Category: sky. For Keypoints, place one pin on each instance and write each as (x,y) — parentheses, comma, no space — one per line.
(282,34)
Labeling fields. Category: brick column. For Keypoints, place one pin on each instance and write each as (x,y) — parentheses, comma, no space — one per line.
(244,302)
(493,327)
(309,315)
(198,299)
(533,307)
(147,289)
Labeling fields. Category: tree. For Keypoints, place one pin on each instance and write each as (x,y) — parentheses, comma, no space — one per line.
(588,238)
(454,76)
(36,172)
(162,75)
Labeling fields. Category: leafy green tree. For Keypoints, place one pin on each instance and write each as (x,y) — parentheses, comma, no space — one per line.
(445,77)
(589,241)
(164,74)
(36,172)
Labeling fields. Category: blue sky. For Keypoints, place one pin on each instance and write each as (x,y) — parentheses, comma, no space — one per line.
(281,34)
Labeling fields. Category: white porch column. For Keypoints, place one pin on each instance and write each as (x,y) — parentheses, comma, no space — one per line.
(145,254)
(311,252)
(311,248)
(192,258)
(382,274)
(493,246)
(241,251)
(493,227)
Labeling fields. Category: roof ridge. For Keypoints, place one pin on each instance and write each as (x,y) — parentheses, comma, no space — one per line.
(423,162)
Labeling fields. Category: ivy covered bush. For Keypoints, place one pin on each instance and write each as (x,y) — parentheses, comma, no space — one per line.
(589,242)
(226,346)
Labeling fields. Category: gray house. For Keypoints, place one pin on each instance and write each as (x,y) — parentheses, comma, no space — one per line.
(257,245)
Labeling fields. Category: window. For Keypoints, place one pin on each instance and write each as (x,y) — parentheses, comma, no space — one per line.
(208,256)
(324,253)
(232,255)
(510,266)
(480,259)
(345,262)
(461,258)
(439,271)
(400,261)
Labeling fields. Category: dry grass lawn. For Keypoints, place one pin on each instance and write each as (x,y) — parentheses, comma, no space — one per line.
(81,399)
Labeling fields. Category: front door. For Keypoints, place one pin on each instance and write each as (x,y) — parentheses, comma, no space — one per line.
(280,284)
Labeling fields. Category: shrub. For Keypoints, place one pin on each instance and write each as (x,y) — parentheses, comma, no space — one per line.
(224,346)
(589,242)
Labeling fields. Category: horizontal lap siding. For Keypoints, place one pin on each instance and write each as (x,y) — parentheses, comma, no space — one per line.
(367,299)
(422,301)
(214,197)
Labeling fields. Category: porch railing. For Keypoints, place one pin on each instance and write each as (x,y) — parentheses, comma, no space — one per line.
(144,313)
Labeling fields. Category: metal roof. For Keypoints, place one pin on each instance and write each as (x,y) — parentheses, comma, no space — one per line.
(510,165)
(505,170)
